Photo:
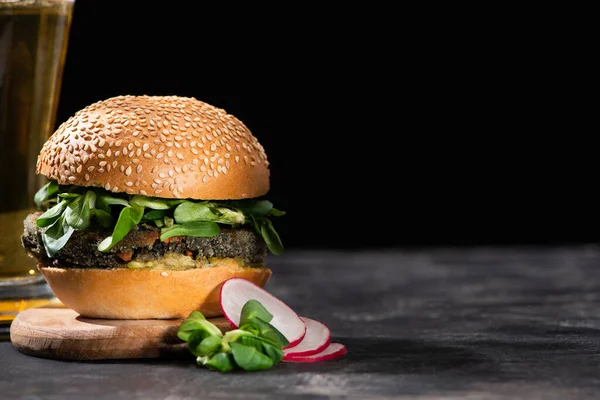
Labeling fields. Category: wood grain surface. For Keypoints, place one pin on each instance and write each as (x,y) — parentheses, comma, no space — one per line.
(61,334)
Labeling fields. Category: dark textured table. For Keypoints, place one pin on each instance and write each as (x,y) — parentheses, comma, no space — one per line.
(435,324)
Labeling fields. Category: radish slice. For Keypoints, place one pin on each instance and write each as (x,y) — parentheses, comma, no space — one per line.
(235,292)
(334,350)
(316,340)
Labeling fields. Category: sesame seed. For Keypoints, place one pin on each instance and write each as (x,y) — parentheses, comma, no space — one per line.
(79,168)
(102,163)
(128,183)
(87,177)
(72,178)
(146,146)
(138,169)
(128,171)
(91,168)
(122,168)
(204,179)
(107,186)
(180,156)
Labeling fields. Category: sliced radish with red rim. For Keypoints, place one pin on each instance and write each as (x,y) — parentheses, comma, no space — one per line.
(333,351)
(235,292)
(316,340)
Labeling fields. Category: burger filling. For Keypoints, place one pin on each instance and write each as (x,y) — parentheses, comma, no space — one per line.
(84,227)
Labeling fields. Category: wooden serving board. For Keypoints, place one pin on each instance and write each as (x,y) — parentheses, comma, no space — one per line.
(62,334)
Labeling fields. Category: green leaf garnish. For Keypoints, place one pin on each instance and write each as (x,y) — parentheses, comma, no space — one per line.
(111,201)
(258,208)
(203,346)
(276,213)
(196,322)
(56,236)
(198,229)
(45,193)
(77,213)
(264,227)
(49,217)
(68,195)
(104,219)
(253,309)
(153,215)
(193,212)
(149,202)
(128,219)
(207,212)
(222,362)
(255,346)
(268,331)
(250,359)
(82,208)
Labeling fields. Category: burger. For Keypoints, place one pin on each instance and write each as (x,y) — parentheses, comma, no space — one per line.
(151,203)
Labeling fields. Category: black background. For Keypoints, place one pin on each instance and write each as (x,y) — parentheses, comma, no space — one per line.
(383,128)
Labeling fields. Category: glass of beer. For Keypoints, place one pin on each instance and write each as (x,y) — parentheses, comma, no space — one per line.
(33,46)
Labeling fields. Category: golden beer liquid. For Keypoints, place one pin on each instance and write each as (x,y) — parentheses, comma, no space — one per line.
(33,44)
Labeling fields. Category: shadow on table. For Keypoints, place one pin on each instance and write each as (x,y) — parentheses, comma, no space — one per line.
(395,356)
(373,355)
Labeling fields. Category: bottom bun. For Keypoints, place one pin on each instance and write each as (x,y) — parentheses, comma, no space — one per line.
(123,293)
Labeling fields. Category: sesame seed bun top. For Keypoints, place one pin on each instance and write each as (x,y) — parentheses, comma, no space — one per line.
(160,146)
